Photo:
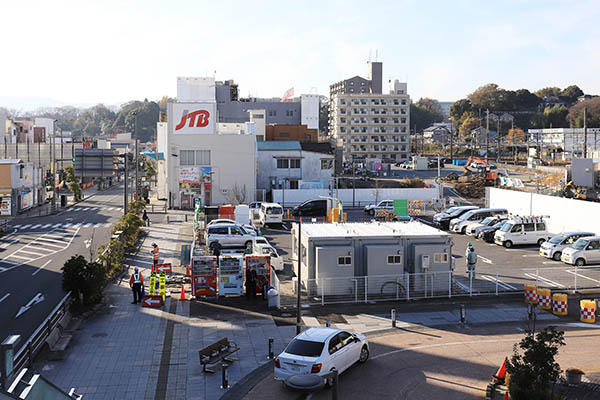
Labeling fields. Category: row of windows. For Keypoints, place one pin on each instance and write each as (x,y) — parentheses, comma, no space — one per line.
(377,139)
(377,129)
(273,113)
(379,148)
(377,102)
(194,157)
(383,156)
(374,111)
(285,163)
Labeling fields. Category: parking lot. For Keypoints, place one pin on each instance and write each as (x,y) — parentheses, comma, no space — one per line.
(498,269)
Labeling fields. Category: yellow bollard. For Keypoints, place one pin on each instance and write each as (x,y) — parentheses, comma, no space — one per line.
(587,311)
(543,299)
(559,304)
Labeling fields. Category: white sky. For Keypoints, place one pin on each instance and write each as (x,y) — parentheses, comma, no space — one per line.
(115,51)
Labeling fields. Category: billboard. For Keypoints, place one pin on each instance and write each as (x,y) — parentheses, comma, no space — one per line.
(194,174)
(193,118)
(5,206)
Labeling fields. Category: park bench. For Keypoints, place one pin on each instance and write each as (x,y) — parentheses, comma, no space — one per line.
(57,343)
(68,324)
(216,352)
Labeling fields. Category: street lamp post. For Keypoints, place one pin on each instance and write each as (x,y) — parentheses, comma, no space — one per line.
(52,168)
(137,164)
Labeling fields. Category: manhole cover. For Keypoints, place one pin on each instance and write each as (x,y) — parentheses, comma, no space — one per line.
(101,334)
(286,314)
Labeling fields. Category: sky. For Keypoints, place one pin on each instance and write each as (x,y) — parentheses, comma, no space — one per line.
(87,52)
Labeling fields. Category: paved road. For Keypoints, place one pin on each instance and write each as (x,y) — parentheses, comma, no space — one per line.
(31,258)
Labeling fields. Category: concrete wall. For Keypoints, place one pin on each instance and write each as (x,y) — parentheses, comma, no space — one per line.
(362,196)
(309,104)
(564,214)
(310,167)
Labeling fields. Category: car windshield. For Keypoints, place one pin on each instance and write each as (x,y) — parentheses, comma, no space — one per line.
(499,224)
(466,215)
(305,348)
(274,210)
(580,244)
(455,212)
(487,221)
(557,239)
(450,210)
(506,227)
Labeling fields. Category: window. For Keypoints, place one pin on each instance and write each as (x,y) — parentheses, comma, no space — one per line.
(272,113)
(283,163)
(440,258)
(529,227)
(345,338)
(344,260)
(258,116)
(334,344)
(202,157)
(236,231)
(293,184)
(295,163)
(284,134)
(595,245)
(218,230)
(540,226)
(327,164)
(289,113)
(305,348)
(303,254)
(186,157)
(516,228)
(395,259)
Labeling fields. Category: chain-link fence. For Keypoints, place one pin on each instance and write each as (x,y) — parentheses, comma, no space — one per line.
(369,289)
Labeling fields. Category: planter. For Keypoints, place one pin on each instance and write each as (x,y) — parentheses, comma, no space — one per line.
(574,376)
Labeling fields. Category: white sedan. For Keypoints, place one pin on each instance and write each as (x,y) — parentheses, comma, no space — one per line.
(249,228)
(320,350)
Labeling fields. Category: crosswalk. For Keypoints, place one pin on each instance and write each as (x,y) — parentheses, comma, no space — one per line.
(44,227)
(57,239)
(81,208)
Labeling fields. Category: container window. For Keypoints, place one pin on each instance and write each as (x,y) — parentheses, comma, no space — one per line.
(394,259)
(344,260)
(440,258)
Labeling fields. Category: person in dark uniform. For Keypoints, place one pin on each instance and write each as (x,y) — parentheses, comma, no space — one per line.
(135,283)
(251,284)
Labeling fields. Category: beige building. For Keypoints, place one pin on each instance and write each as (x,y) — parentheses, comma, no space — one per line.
(374,127)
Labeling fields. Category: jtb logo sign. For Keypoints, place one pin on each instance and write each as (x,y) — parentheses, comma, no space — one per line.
(198,119)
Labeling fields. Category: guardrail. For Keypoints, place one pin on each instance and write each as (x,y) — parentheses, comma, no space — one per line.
(155,208)
(35,343)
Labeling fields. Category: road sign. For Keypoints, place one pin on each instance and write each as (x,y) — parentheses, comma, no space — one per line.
(164,267)
(152,301)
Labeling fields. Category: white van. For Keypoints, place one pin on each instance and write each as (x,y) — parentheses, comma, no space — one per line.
(522,230)
(270,213)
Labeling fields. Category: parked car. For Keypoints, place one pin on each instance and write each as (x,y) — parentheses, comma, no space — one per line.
(320,350)
(487,232)
(442,220)
(554,247)
(228,235)
(583,252)
(459,224)
(311,208)
(255,205)
(382,205)
(266,249)
(270,213)
(248,228)
(526,230)
(489,221)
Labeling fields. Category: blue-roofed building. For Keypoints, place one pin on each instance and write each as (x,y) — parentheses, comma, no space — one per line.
(294,164)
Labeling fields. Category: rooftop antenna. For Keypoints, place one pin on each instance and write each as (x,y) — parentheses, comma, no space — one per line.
(376,54)
(369,55)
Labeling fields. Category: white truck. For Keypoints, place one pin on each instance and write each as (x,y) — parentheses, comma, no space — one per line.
(419,163)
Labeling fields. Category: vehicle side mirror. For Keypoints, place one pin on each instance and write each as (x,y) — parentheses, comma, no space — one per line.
(356,339)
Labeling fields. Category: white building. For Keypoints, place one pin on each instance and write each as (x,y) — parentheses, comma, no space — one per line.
(309,106)
(569,140)
(47,123)
(295,165)
(201,162)
(374,127)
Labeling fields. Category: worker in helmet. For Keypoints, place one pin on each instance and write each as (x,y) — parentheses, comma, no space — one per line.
(135,283)
(154,254)
(471,257)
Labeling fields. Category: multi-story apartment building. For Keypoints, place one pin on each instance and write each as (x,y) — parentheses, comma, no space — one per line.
(372,127)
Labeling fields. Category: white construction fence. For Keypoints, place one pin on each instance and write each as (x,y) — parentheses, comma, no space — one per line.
(360,197)
(562,214)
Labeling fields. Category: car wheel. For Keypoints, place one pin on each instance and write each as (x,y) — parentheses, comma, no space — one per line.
(463,230)
(556,256)
(329,381)
(364,354)
(539,242)
(371,212)
(580,262)
(508,244)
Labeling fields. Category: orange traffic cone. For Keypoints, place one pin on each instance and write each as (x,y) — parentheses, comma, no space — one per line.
(501,373)
(182,297)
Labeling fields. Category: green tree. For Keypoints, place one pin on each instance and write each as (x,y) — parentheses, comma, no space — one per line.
(556,116)
(84,279)
(572,92)
(150,168)
(468,124)
(423,117)
(492,97)
(73,182)
(525,100)
(94,121)
(575,116)
(147,117)
(432,106)
(532,371)
(547,91)
(460,107)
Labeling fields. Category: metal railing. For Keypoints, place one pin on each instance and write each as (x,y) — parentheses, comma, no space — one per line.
(448,284)
(156,208)
(35,343)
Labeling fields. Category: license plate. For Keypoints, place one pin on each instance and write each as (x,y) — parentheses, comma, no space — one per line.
(498,242)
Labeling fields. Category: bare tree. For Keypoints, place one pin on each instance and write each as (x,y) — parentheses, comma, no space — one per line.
(237,194)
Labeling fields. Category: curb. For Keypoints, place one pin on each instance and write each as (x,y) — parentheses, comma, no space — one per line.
(241,388)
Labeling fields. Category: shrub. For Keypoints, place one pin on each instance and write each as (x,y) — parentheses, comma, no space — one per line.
(84,279)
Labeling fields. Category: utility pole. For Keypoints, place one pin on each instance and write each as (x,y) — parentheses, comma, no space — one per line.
(353,183)
(584,132)
(487,134)
(498,143)
(53,168)
(125,157)
(137,164)
(299,284)
(451,139)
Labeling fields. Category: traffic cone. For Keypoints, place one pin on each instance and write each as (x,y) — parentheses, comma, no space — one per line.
(501,373)
(187,269)
(182,297)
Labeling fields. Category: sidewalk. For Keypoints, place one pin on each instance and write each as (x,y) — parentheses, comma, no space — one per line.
(129,352)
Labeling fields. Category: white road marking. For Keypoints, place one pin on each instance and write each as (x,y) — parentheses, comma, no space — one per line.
(502,284)
(21,257)
(543,280)
(485,260)
(530,255)
(31,252)
(583,276)
(98,225)
(37,299)
(45,226)
(25,226)
(581,325)
(87,225)
(427,346)
(4,297)
(36,226)
(41,268)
